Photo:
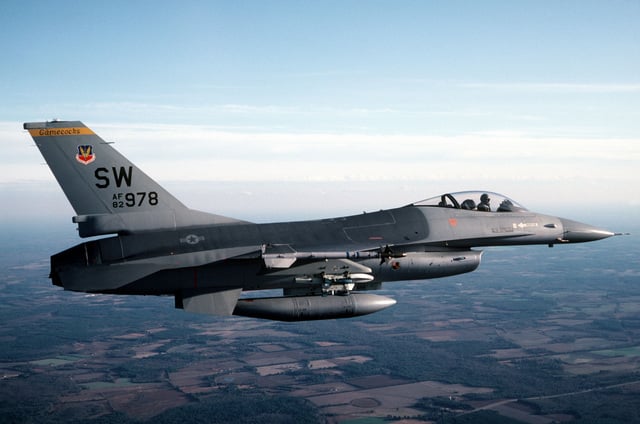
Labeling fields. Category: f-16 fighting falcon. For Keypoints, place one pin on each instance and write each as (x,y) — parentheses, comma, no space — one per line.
(155,245)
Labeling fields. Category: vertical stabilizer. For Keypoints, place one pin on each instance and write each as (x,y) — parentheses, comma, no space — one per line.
(108,192)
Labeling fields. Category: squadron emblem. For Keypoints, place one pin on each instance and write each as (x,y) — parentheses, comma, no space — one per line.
(85,154)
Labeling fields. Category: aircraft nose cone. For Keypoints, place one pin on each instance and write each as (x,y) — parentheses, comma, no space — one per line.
(577,232)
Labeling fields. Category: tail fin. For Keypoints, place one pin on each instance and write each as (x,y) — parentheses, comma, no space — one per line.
(107,191)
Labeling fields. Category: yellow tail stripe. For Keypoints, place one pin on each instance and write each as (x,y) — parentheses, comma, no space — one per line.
(57,132)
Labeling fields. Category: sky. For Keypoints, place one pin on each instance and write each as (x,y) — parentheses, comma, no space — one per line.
(292,109)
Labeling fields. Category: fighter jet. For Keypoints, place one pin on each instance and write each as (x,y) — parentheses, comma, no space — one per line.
(155,245)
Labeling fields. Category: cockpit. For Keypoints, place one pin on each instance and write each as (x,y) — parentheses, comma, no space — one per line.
(483,201)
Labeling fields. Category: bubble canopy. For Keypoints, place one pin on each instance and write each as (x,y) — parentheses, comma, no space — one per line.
(485,201)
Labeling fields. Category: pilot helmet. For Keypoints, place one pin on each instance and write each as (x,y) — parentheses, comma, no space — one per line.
(485,198)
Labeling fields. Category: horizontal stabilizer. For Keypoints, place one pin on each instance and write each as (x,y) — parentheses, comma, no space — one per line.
(109,277)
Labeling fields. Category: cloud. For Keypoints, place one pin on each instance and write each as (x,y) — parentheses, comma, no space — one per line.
(213,153)
(378,169)
(557,87)
(205,112)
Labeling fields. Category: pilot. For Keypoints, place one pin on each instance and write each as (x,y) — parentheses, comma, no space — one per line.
(468,204)
(484,203)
